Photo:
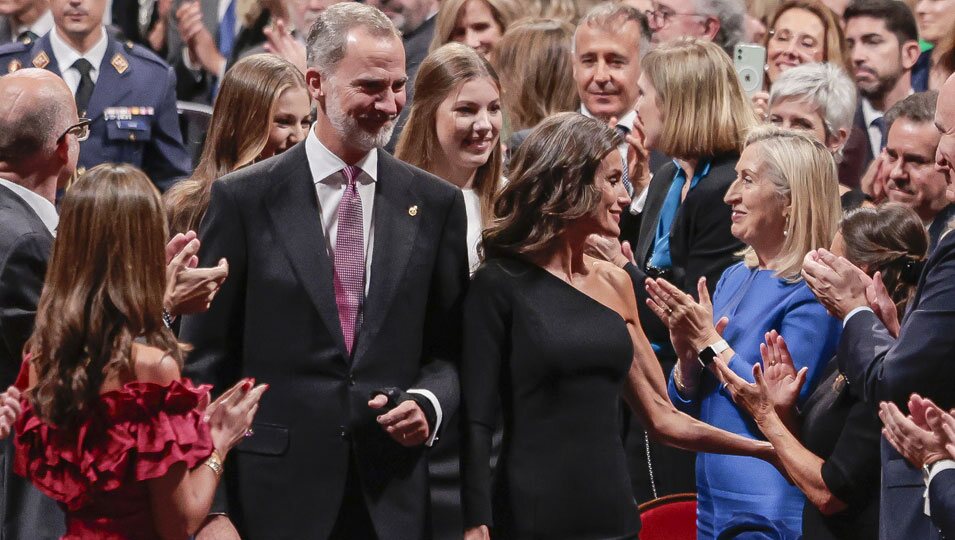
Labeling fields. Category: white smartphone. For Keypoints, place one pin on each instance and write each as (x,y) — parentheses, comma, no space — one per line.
(750,62)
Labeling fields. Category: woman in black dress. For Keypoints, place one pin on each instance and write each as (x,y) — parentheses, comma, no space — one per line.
(551,339)
(833,456)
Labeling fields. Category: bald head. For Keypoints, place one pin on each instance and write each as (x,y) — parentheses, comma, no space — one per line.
(36,107)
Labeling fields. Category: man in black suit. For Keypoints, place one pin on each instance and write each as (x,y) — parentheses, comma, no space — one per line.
(880,367)
(38,153)
(348,273)
(883,44)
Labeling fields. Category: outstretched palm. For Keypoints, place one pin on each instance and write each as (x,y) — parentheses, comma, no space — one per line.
(783,382)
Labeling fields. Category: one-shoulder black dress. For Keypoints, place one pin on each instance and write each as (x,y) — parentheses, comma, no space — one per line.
(550,361)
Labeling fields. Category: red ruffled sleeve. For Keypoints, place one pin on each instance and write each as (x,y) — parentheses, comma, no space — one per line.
(135,433)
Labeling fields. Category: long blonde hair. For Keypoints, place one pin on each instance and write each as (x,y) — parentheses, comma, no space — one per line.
(534,62)
(441,73)
(504,12)
(803,172)
(239,131)
(705,110)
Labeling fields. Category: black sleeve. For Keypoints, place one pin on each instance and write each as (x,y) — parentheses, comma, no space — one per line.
(486,345)
(216,335)
(920,360)
(941,496)
(21,281)
(852,470)
(442,325)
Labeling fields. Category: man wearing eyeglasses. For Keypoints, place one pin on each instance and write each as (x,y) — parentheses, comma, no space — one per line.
(38,153)
(127,92)
(719,21)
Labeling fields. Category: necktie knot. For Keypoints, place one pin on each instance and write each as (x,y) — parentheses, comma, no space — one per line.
(622,129)
(83,66)
(351,175)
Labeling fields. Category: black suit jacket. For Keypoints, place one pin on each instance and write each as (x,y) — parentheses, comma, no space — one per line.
(701,243)
(857,153)
(880,368)
(275,319)
(25,245)
(941,496)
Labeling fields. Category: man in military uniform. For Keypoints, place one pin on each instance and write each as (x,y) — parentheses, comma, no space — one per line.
(24,20)
(126,91)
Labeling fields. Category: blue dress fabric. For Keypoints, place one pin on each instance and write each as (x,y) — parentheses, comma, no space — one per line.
(756,301)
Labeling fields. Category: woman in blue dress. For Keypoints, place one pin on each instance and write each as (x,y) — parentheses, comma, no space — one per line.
(785,203)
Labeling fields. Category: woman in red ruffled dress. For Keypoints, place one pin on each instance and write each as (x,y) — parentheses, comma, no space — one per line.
(104,423)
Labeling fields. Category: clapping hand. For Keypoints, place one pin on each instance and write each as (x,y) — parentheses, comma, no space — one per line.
(783,382)
(9,410)
(920,437)
(406,424)
(279,41)
(875,178)
(230,416)
(839,285)
(882,305)
(202,46)
(684,316)
(190,289)
(480,532)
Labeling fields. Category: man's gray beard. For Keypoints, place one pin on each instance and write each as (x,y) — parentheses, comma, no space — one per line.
(352,132)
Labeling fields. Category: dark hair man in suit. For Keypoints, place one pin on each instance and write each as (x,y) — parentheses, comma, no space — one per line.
(39,148)
(887,361)
(348,272)
(883,45)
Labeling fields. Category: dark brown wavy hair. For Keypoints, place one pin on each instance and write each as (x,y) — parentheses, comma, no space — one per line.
(104,289)
(551,184)
(890,239)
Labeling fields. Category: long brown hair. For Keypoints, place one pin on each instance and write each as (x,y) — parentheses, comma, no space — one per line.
(534,61)
(237,134)
(104,289)
(890,239)
(441,73)
(550,186)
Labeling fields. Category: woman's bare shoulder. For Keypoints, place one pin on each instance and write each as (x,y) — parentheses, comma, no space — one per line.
(154,365)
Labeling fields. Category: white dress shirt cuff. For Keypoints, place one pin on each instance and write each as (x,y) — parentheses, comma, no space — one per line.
(437,412)
(853,312)
(937,467)
(636,207)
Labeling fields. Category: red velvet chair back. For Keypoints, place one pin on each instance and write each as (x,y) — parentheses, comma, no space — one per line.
(672,517)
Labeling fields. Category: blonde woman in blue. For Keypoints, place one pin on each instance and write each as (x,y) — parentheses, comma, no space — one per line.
(785,203)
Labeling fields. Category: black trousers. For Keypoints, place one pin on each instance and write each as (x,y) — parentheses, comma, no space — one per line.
(353,521)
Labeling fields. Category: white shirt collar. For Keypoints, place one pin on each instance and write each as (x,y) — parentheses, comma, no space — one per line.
(869,113)
(625,120)
(44,209)
(324,164)
(66,55)
(40,26)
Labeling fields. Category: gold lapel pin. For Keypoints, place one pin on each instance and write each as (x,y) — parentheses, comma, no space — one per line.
(413,211)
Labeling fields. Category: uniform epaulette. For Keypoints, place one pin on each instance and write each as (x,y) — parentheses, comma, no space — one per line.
(141,52)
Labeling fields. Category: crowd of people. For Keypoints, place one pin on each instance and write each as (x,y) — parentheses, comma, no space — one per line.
(476,268)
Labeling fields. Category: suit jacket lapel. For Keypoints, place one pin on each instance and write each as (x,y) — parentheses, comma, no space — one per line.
(292,206)
(109,88)
(395,231)
(657,191)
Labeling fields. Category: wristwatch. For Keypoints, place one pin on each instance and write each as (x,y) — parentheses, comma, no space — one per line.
(711,351)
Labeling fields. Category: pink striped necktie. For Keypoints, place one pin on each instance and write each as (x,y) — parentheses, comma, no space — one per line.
(350,259)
